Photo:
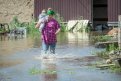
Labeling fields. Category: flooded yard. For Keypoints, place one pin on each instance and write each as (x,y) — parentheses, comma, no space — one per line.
(20,60)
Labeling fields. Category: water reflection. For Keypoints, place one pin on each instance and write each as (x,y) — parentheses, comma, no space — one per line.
(71,45)
(50,66)
(78,38)
(8,63)
(74,38)
(11,45)
(3,37)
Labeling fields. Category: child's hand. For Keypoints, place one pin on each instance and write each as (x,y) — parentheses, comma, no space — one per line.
(37,25)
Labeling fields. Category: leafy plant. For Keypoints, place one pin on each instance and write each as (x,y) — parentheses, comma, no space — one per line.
(2,30)
(35,71)
(111,47)
(83,28)
(102,38)
(61,22)
(115,69)
(102,54)
(15,23)
(32,31)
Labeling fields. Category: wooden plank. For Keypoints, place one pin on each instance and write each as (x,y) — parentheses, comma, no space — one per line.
(71,24)
(107,42)
(81,24)
(103,44)
(105,65)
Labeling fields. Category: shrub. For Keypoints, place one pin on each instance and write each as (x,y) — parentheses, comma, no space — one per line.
(60,20)
(102,38)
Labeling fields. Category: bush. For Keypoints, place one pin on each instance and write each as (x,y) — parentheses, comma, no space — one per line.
(14,23)
(115,69)
(103,54)
(111,47)
(32,31)
(60,20)
(102,38)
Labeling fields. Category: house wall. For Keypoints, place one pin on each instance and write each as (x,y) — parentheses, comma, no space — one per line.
(114,9)
(68,9)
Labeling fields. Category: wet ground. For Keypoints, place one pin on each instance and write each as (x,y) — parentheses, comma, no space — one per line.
(20,60)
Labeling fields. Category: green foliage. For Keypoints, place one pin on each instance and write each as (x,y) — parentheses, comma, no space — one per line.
(32,31)
(15,23)
(88,29)
(115,69)
(105,54)
(102,38)
(83,28)
(60,20)
(111,47)
(102,54)
(35,71)
(2,30)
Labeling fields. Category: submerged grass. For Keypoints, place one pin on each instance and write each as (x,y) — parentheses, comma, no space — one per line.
(32,31)
(105,55)
(102,54)
(35,71)
(115,69)
(101,38)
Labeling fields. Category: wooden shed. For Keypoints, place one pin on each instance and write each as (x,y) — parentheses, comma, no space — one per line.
(98,12)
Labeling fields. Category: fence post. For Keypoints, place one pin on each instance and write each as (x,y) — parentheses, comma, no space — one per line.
(119,32)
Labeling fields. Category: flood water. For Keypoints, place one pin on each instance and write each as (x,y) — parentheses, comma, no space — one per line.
(20,60)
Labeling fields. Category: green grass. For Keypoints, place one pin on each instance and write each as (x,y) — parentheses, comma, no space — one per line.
(35,71)
(102,54)
(115,69)
(101,38)
(32,31)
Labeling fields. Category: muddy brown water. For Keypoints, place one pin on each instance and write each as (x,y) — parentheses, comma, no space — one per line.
(73,61)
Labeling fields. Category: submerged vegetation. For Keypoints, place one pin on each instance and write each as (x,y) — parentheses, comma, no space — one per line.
(61,22)
(102,54)
(109,48)
(32,31)
(109,54)
(110,59)
(101,38)
(15,23)
(30,26)
(35,71)
(115,69)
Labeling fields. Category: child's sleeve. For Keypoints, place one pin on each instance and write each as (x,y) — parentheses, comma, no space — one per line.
(39,21)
